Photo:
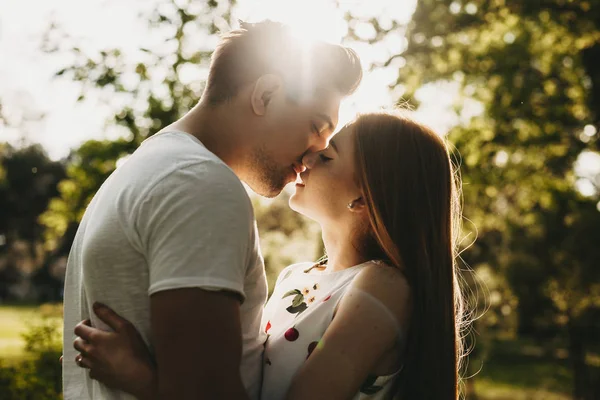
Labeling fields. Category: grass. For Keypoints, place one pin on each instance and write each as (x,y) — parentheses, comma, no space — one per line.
(524,370)
(513,370)
(491,390)
(14,321)
(508,376)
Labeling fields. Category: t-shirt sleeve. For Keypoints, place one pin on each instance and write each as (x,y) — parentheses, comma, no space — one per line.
(196,225)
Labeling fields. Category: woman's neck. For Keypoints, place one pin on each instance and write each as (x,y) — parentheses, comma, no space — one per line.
(340,249)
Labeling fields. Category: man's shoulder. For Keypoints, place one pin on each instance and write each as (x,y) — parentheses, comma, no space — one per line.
(168,150)
(178,161)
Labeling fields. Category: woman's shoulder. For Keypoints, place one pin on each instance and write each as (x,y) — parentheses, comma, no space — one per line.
(386,283)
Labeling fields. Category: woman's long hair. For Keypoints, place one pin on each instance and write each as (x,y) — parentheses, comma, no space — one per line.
(408,183)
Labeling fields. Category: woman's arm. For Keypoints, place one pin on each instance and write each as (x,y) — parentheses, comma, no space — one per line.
(367,324)
(121,360)
(118,359)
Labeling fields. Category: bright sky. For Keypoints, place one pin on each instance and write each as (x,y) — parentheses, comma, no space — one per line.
(27,87)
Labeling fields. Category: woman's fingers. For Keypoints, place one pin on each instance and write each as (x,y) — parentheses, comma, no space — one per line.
(82,346)
(109,317)
(83,362)
(86,332)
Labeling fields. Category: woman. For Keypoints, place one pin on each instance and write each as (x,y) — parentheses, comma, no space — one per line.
(380,317)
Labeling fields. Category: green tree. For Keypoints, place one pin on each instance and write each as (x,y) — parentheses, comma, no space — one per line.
(28,180)
(39,377)
(532,67)
(149,83)
(153,86)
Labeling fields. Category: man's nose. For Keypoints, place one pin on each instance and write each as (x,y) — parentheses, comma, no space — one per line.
(319,142)
(299,167)
(309,160)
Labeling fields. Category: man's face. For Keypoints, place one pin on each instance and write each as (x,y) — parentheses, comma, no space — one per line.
(288,131)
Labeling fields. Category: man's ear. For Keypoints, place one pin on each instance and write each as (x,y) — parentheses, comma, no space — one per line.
(265,88)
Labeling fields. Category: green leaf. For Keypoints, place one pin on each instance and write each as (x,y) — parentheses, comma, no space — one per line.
(297,300)
(291,293)
(371,389)
(287,275)
(368,386)
(298,309)
(369,381)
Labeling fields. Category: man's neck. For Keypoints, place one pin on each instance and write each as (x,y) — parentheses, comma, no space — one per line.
(217,130)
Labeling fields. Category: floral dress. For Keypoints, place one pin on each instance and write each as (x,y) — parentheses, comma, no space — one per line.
(295,318)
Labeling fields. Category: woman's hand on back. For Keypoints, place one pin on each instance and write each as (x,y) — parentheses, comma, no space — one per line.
(119,359)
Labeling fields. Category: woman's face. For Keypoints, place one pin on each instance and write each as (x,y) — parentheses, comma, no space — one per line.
(328,185)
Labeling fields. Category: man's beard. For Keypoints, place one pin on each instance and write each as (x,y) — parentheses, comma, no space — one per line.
(267,178)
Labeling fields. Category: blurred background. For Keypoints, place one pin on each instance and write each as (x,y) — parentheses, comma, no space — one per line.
(515,85)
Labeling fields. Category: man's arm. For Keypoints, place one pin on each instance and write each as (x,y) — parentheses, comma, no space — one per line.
(198,344)
(196,227)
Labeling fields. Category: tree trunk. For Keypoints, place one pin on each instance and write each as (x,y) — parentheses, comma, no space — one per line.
(581,387)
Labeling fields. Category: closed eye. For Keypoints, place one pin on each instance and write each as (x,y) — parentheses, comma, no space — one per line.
(316,130)
(324,158)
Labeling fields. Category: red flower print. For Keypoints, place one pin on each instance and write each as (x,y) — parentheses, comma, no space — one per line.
(292,334)
(326,298)
(268,327)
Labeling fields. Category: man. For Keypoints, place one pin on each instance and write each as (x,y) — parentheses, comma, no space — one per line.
(170,242)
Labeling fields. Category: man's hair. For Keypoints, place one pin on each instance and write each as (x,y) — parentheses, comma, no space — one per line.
(268,47)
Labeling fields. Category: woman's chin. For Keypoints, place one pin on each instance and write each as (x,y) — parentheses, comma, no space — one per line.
(301,209)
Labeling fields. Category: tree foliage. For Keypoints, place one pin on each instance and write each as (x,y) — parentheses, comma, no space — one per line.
(532,67)
(527,99)
(146,90)
(28,180)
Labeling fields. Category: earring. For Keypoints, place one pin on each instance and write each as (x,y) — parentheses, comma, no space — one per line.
(352,204)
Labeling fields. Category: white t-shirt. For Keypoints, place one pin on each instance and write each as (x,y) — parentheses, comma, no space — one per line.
(173,216)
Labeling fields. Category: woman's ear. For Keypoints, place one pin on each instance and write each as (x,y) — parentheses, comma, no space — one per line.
(265,89)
